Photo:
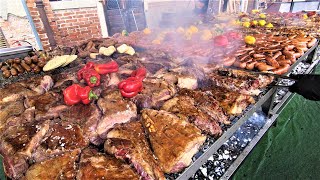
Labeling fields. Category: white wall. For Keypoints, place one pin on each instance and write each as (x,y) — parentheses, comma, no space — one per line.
(11,6)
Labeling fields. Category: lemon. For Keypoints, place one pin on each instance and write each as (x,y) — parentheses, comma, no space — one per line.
(262,22)
(193,29)
(255,11)
(246,24)
(147,31)
(305,16)
(263,16)
(250,40)
(254,22)
(269,25)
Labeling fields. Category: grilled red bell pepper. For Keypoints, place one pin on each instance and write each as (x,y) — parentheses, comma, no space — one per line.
(130,87)
(106,68)
(86,95)
(139,73)
(75,94)
(70,95)
(89,65)
(91,77)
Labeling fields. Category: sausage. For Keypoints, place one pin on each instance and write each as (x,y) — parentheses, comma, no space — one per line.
(244,57)
(28,60)
(282,69)
(25,66)
(32,65)
(228,61)
(263,66)
(6,73)
(271,50)
(250,65)
(281,58)
(17,60)
(9,61)
(34,59)
(284,62)
(259,56)
(36,69)
(272,62)
(13,71)
(3,68)
(312,42)
(41,63)
(289,47)
(276,55)
(18,68)
(240,64)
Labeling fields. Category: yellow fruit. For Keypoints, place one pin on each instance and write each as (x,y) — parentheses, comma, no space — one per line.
(305,16)
(250,40)
(147,31)
(193,29)
(269,25)
(254,22)
(263,16)
(206,35)
(245,19)
(246,24)
(180,30)
(255,11)
(156,41)
(262,22)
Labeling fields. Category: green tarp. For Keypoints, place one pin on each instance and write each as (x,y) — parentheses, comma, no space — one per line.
(291,148)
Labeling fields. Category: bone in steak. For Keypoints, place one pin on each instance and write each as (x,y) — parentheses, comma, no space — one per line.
(115,110)
(128,142)
(62,137)
(18,143)
(154,93)
(60,167)
(233,103)
(207,104)
(185,108)
(174,140)
(87,117)
(96,165)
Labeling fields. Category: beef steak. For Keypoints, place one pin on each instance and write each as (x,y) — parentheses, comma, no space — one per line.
(115,110)
(95,165)
(128,142)
(174,140)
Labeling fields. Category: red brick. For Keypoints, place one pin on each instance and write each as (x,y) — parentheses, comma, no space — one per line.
(71,20)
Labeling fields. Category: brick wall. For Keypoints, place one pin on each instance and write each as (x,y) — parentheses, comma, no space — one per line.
(70,27)
(77,25)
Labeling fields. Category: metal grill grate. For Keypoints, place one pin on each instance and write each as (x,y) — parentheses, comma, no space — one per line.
(3,41)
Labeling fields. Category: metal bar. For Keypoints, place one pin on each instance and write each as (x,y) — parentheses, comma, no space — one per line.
(45,21)
(121,14)
(234,166)
(33,27)
(134,19)
(219,142)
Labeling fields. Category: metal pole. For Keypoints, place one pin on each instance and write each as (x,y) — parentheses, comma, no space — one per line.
(291,6)
(33,27)
(134,18)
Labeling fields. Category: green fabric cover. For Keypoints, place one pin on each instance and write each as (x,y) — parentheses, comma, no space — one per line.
(291,148)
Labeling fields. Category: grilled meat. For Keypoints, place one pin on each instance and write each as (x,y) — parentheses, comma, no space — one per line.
(17,145)
(128,142)
(207,104)
(87,117)
(14,92)
(61,167)
(173,139)
(233,103)
(185,108)
(95,165)
(154,93)
(10,109)
(115,110)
